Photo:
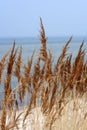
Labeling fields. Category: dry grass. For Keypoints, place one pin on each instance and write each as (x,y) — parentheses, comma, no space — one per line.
(57,91)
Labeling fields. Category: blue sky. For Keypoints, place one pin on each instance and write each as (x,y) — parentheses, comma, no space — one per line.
(20,18)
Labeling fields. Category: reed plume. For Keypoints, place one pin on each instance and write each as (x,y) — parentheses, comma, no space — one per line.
(18,63)
(43,51)
(3,64)
(7,82)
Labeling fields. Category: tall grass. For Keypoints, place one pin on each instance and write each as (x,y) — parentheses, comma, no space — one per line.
(52,87)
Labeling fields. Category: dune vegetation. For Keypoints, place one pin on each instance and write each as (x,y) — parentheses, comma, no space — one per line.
(53,95)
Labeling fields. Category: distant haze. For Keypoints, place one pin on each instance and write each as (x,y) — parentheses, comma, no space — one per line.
(20,18)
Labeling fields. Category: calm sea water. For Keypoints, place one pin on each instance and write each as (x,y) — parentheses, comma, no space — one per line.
(30,44)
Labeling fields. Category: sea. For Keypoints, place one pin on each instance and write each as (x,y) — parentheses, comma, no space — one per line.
(31,44)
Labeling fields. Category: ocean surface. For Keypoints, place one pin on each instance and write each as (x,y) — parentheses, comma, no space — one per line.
(55,44)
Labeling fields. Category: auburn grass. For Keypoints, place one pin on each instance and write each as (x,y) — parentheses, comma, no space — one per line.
(51,85)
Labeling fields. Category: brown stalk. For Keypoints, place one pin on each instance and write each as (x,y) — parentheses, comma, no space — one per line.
(18,62)
(3,64)
(63,54)
(75,71)
(3,118)
(43,51)
(7,83)
(26,79)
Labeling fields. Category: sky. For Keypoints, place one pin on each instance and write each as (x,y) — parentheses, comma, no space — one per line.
(21,18)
